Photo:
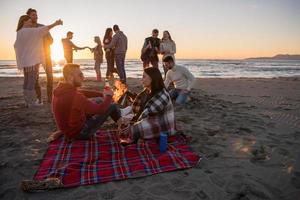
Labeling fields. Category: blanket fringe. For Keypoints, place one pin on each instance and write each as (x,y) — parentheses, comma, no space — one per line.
(42,185)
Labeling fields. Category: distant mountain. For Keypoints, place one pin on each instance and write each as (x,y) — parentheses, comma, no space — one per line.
(277,57)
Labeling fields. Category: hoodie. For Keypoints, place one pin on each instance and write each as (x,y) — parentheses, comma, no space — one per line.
(71,107)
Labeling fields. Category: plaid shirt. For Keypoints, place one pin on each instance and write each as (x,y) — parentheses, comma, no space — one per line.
(157,116)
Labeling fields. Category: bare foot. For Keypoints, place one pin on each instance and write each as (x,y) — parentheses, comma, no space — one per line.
(53,136)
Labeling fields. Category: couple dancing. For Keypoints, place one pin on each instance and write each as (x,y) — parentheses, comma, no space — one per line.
(77,117)
(115,47)
(32,50)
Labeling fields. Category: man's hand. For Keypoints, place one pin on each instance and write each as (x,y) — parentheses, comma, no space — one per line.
(123,127)
(107,91)
(184,91)
(54,135)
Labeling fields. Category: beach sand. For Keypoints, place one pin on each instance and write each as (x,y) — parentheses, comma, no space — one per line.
(246,130)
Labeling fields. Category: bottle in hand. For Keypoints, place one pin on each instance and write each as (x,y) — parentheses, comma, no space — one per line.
(106,84)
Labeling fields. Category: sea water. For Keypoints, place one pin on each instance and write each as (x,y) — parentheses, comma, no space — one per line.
(200,68)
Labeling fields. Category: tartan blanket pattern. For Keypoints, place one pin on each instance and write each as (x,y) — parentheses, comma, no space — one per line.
(102,159)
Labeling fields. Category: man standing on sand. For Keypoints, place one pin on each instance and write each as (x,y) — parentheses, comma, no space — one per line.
(47,41)
(76,116)
(119,44)
(69,46)
(150,50)
(182,78)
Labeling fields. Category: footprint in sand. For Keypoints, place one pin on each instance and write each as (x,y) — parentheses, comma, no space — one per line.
(136,190)
(283,118)
(8,193)
(108,195)
(160,189)
(182,194)
(217,179)
(202,195)
(177,182)
(239,189)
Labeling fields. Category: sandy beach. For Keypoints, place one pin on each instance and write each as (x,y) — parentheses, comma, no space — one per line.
(246,130)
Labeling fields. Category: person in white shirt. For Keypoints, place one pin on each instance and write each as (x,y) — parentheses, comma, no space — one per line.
(29,51)
(182,79)
(167,47)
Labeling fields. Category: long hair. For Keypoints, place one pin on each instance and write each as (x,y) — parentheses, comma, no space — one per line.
(107,34)
(170,38)
(157,83)
(22,19)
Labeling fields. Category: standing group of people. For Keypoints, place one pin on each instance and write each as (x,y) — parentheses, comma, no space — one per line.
(77,116)
(115,47)
(153,46)
(182,78)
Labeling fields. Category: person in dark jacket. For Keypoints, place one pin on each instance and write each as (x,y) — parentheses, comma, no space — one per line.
(150,50)
(119,44)
(69,46)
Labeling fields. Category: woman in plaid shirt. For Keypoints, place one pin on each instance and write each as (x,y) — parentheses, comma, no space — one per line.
(153,109)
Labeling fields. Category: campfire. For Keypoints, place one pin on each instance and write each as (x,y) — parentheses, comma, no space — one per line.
(119,90)
(122,95)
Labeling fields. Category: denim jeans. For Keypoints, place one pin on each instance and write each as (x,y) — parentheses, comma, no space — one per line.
(120,62)
(109,55)
(179,96)
(92,124)
(49,74)
(30,78)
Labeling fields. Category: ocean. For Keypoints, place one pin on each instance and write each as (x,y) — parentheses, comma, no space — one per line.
(200,68)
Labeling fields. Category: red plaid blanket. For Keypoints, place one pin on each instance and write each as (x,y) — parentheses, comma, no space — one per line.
(102,159)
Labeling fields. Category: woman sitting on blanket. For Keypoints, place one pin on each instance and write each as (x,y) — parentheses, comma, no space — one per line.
(153,110)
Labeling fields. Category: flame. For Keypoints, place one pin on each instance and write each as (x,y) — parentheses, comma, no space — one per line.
(290,169)
(120,89)
(245,149)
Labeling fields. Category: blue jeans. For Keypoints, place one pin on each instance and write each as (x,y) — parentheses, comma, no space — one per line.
(92,124)
(179,95)
(120,63)
(31,76)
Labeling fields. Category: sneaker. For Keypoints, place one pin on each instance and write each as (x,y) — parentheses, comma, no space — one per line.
(35,104)
(126,111)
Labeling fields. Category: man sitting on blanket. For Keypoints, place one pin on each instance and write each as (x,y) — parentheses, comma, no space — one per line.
(76,116)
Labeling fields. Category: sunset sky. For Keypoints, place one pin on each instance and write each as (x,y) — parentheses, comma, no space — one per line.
(220,29)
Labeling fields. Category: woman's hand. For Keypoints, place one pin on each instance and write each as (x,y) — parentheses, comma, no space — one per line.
(59,22)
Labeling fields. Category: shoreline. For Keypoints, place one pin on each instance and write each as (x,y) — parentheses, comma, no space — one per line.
(246,129)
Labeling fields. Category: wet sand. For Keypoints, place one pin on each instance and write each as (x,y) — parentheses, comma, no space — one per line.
(247,131)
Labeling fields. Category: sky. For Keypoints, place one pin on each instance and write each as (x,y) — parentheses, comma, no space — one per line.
(212,29)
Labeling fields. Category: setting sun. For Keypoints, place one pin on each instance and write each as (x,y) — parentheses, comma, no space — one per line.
(57,53)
